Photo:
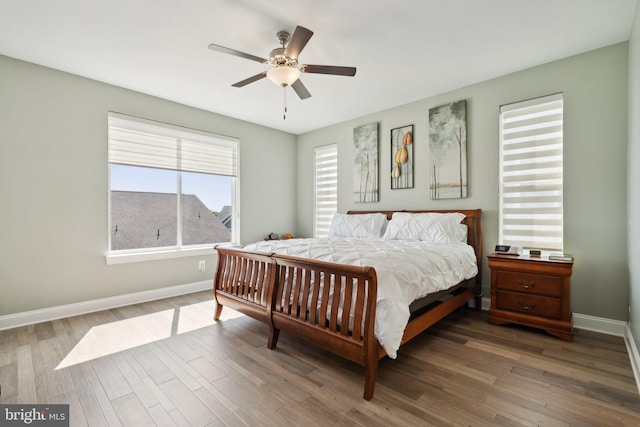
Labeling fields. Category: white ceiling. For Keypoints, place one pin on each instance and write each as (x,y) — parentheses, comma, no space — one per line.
(404,50)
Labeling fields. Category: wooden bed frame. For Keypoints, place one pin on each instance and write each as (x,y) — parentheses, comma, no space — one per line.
(279,290)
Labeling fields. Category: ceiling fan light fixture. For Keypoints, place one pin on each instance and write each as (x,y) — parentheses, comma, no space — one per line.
(283,75)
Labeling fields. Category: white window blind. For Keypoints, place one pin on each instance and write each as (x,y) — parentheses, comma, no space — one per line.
(531,139)
(139,142)
(170,187)
(326,188)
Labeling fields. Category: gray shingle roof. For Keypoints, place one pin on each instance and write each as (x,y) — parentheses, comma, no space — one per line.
(148,220)
(225,216)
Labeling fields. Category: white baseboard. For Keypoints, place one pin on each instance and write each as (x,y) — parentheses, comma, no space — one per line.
(47,314)
(599,324)
(634,357)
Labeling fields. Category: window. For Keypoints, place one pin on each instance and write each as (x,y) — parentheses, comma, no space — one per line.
(326,188)
(170,187)
(531,173)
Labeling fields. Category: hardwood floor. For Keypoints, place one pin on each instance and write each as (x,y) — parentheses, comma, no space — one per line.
(167,363)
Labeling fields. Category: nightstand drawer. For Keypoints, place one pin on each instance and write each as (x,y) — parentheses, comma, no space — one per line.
(529,304)
(538,284)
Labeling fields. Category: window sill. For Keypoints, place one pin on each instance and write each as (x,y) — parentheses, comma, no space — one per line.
(123,258)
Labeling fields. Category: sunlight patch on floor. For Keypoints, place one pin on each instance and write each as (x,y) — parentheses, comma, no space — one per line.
(122,335)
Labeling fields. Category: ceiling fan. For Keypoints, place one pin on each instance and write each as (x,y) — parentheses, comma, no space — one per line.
(285,69)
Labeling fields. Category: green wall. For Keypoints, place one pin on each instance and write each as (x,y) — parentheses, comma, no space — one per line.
(595,183)
(54,191)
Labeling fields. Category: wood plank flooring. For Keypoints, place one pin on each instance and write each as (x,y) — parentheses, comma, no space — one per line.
(167,363)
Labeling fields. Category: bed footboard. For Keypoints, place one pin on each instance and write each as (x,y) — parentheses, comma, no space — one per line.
(329,305)
(244,281)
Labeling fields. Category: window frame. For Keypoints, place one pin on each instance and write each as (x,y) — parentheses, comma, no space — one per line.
(179,250)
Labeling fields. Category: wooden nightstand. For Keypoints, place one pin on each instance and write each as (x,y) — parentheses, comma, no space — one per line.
(531,291)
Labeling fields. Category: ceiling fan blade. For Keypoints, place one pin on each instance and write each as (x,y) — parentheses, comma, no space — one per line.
(223,49)
(329,69)
(300,89)
(298,41)
(251,79)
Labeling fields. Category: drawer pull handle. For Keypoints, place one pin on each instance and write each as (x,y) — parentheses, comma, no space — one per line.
(529,286)
(526,307)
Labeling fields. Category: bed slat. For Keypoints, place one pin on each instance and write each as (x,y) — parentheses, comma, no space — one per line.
(296,294)
(335,302)
(324,301)
(316,294)
(346,305)
(304,309)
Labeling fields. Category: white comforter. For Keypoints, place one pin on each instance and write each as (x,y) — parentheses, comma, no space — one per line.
(406,270)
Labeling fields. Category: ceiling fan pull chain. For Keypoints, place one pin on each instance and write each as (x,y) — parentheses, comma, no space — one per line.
(284,116)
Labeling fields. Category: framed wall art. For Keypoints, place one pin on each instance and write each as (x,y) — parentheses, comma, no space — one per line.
(365,163)
(402,157)
(448,151)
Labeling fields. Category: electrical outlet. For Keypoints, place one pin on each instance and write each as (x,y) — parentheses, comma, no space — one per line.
(202,265)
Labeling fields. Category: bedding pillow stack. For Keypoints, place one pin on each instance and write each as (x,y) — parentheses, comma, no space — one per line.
(360,225)
(443,228)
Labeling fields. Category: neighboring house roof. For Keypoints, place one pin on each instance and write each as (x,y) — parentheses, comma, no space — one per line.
(225,216)
(147,220)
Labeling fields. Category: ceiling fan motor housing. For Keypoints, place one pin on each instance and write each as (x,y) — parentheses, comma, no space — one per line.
(278,59)
(283,37)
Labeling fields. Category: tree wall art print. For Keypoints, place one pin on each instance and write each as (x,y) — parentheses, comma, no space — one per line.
(448,151)
(365,167)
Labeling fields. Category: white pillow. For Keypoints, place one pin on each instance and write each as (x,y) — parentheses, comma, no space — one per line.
(460,233)
(430,227)
(358,225)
